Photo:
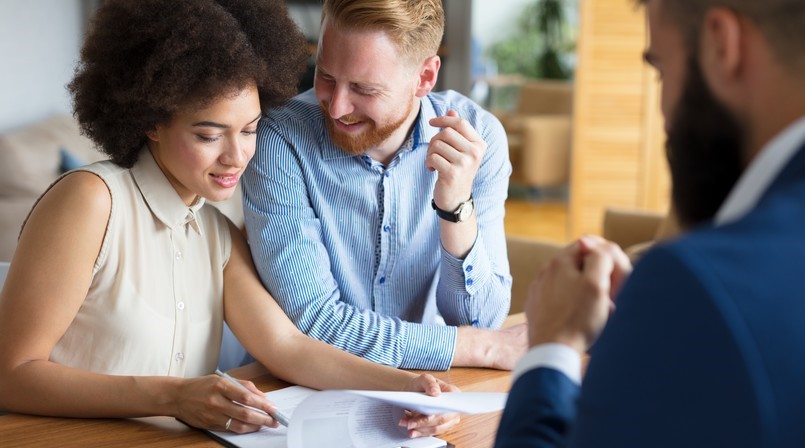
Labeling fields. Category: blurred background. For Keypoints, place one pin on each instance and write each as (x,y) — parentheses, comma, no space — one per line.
(565,77)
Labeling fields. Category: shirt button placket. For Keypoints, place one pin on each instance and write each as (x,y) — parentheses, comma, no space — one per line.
(180,332)
(468,269)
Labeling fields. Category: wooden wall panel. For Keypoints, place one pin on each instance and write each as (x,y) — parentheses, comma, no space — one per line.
(656,180)
(618,157)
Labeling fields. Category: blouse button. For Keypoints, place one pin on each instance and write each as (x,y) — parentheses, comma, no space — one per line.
(179,356)
(178,255)
(180,305)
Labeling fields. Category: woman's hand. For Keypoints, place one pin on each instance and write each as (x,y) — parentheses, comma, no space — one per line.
(208,402)
(427,425)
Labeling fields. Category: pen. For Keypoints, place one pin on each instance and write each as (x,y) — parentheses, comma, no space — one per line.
(278,416)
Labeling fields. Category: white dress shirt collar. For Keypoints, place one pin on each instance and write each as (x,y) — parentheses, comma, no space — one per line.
(761,173)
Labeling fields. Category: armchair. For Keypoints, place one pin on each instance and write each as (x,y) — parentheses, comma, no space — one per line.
(539,134)
(636,231)
(526,258)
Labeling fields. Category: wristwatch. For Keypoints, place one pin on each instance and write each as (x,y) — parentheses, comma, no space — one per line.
(460,214)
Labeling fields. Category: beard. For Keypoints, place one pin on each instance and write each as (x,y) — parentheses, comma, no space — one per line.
(370,138)
(705,150)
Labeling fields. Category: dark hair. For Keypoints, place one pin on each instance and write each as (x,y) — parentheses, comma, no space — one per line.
(781,21)
(145,59)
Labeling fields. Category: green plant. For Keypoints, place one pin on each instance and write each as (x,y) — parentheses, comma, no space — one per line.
(539,47)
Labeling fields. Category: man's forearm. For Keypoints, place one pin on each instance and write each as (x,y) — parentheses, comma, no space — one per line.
(473,348)
(476,347)
(458,237)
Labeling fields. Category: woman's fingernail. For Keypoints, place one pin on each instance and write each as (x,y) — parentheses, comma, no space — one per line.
(414,434)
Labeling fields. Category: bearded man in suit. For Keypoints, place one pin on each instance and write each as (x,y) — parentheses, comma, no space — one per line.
(703,344)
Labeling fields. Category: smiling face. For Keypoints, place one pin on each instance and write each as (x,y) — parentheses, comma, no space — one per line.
(367,92)
(203,152)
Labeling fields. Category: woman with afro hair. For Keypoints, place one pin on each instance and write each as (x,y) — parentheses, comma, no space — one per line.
(123,276)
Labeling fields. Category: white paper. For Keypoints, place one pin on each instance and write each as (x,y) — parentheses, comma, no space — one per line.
(341,419)
(460,402)
(286,400)
(357,418)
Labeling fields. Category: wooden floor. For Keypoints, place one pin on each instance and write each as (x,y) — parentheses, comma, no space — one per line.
(542,220)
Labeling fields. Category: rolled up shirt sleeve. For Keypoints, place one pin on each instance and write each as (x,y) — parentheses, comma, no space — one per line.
(349,248)
(476,290)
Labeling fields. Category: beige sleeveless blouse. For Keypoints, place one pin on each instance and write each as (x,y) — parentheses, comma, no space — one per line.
(155,305)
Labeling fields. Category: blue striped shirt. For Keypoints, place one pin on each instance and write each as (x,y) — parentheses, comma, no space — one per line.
(350,248)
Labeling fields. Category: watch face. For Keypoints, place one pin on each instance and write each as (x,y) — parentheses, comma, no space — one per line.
(464,211)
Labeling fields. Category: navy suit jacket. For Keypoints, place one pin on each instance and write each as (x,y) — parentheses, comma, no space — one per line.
(706,348)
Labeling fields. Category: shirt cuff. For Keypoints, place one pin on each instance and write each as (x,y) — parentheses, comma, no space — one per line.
(554,356)
(470,274)
(429,347)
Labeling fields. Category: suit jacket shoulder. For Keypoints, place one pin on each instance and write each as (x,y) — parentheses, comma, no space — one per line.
(539,410)
(705,347)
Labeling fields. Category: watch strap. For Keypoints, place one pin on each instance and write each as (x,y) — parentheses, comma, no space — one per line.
(444,214)
(455,215)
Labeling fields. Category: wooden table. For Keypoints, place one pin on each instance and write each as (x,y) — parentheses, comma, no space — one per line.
(23,430)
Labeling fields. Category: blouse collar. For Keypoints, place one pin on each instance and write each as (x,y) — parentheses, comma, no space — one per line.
(161,197)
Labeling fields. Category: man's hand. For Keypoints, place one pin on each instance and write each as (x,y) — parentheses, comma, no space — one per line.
(571,299)
(455,153)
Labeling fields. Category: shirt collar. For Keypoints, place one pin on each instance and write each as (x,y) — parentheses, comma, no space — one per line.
(761,173)
(161,197)
(422,134)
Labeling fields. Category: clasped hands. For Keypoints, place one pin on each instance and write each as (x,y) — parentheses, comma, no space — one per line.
(570,300)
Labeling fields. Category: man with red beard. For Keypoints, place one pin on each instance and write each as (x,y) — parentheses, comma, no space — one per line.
(374,206)
(706,346)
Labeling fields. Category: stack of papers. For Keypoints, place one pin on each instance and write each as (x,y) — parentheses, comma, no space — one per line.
(356,418)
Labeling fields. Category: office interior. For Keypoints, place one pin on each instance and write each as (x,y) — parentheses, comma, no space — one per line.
(586,149)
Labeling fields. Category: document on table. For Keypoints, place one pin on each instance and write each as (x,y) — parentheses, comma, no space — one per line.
(286,401)
(352,418)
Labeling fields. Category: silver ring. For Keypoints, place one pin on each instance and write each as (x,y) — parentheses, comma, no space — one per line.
(228,422)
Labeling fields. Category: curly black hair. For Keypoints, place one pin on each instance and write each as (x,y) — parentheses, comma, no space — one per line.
(145,59)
